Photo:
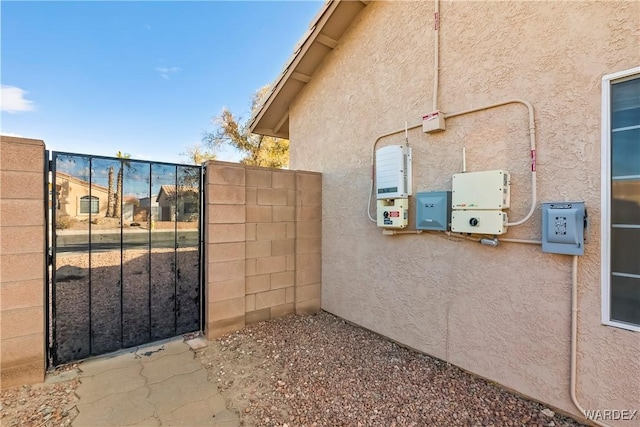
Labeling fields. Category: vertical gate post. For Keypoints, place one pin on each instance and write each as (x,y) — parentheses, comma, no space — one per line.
(22,261)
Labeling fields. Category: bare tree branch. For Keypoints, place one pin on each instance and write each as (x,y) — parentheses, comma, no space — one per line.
(258,150)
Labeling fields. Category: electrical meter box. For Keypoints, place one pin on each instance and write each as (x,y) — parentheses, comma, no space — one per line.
(488,190)
(479,222)
(563,225)
(393,213)
(433,210)
(393,172)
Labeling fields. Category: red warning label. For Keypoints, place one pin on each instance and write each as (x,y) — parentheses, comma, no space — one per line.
(394,214)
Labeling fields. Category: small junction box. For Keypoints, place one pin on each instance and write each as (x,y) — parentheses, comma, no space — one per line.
(563,225)
(393,213)
(433,210)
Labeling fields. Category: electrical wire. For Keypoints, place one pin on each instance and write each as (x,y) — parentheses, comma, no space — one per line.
(532,139)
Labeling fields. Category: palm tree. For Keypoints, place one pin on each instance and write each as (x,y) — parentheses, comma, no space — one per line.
(110,194)
(118,202)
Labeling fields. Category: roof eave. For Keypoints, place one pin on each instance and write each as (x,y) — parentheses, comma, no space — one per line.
(272,117)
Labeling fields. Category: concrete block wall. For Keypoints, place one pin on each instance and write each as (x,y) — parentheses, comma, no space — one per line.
(263,244)
(22,261)
(308,242)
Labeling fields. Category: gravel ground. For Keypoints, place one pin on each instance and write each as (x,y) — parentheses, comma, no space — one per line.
(319,371)
(42,405)
(322,371)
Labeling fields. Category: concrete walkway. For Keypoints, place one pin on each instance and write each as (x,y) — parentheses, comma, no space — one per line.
(155,385)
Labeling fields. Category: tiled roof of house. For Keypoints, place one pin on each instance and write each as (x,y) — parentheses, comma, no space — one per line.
(62,176)
(170,191)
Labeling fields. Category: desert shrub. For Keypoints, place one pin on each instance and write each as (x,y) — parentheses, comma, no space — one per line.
(64,222)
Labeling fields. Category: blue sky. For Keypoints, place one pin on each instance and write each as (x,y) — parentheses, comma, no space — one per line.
(141,77)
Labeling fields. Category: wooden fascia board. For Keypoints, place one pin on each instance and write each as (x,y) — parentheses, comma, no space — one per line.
(325,16)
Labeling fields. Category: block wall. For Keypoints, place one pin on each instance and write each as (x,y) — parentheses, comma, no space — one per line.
(263,244)
(22,261)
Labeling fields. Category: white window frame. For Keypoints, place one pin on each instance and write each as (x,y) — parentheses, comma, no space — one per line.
(91,200)
(605,190)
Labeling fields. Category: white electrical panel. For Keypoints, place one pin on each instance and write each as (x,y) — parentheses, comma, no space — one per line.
(393,172)
(479,222)
(393,213)
(488,190)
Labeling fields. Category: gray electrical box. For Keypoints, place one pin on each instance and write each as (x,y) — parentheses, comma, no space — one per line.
(433,210)
(563,225)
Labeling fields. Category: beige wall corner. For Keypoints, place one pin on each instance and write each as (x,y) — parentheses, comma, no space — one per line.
(259,221)
(22,261)
(308,242)
(504,312)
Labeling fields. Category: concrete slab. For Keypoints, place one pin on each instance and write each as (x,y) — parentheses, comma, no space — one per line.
(217,403)
(165,367)
(111,381)
(159,384)
(71,374)
(149,422)
(101,364)
(115,409)
(163,348)
(197,343)
(175,392)
(226,418)
(198,414)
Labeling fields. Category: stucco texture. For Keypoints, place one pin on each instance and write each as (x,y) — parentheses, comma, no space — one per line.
(503,313)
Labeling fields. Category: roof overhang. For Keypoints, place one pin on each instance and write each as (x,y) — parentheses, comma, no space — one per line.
(272,117)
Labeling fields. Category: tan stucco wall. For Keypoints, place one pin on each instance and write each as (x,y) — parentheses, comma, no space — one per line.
(502,313)
(22,233)
(72,189)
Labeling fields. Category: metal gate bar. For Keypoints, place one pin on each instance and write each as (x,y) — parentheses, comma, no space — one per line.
(85,273)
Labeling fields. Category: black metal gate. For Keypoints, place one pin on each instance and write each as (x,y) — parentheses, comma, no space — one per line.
(124,254)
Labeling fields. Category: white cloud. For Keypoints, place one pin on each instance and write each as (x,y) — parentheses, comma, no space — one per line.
(165,72)
(141,157)
(16,135)
(12,100)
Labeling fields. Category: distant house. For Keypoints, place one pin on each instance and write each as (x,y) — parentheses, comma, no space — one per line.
(130,206)
(147,204)
(180,205)
(78,198)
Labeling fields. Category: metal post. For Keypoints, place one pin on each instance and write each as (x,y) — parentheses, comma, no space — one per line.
(175,259)
(150,220)
(90,269)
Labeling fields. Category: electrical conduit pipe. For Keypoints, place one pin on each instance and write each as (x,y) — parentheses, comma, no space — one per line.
(532,139)
(574,339)
(532,143)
